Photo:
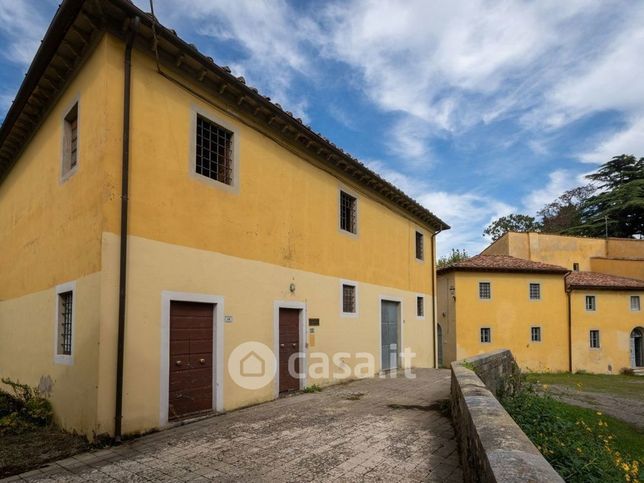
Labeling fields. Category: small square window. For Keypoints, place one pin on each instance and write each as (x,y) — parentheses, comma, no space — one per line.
(420,246)
(535,334)
(591,304)
(485,290)
(348,299)
(635,303)
(70,141)
(420,306)
(348,213)
(214,151)
(535,291)
(486,335)
(575,267)
(594,339)
(65,308)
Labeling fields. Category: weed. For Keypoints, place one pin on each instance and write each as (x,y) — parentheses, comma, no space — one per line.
(312,388)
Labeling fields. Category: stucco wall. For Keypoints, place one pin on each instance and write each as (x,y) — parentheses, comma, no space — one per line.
(510,314)
(615,321)
(631,268)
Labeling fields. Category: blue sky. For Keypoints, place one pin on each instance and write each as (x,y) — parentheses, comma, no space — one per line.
(475,108)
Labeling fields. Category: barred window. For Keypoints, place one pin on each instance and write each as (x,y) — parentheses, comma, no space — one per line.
(486,335)
(420,246)
(348,299)
(594,339)
(420,306)
(70,140)
(348,212)
(485,290)
(635,303)
(65,308)
(535,334)
(535,291)
(591,305)
(214,151)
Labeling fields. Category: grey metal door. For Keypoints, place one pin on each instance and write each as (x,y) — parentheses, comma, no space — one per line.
(389,334)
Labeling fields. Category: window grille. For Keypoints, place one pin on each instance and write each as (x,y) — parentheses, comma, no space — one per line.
(65,306)
(348,212)
(214,151)
(70,140)
(486,335)
(420,248)
(348,299)
(420,306)
(535,334)
(590,303)
(485,290)
(635,302)
(535,291)
(594,339)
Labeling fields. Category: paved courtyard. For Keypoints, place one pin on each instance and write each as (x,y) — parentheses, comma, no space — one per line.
(374,429)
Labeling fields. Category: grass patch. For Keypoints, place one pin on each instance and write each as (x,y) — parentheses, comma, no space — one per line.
(312,388)
(618,384)
(582,445)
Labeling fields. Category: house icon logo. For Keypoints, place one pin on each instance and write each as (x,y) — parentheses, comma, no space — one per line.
(252,365)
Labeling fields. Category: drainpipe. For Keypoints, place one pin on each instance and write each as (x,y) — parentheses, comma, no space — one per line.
(568,293)
(127,64)
(434,298)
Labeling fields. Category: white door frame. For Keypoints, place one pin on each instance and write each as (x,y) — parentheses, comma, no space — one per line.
(217,348)
(399,301)
(301,306)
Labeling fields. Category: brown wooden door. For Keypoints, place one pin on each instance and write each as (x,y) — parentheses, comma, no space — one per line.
(289,344)
(191,358)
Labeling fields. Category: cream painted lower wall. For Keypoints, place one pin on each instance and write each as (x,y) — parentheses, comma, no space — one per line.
(27,341)
(249,290)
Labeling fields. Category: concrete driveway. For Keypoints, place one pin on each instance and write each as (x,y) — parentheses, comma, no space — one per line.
(388,429)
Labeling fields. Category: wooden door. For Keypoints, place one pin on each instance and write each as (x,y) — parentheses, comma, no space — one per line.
(289,344)
(191,358)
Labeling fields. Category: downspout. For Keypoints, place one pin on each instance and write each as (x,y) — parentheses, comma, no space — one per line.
(568,293)
(125,186)
(434,298)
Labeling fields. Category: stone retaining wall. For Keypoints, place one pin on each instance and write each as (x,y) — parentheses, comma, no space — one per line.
(493,447)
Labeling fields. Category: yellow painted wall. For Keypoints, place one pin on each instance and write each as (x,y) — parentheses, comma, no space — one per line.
(622,247)
(615,321)
(632,268)
(510,314)
(250,289)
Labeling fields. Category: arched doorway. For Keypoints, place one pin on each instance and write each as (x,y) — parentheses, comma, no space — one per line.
(439,343)
(637,347)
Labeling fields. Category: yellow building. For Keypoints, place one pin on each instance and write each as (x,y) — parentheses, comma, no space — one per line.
(552,319)
(623,257)
(170,239)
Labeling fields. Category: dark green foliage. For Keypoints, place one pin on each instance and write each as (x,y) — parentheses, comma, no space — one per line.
(312,388)
(514,222)
(580,444)
(564,212)
(23,408)
(455,256)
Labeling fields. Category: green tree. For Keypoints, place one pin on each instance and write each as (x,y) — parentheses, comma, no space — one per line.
(617,209)
(455,256)
(514,222)
(564,212)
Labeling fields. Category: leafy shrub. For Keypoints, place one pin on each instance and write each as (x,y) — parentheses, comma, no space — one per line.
(312,388)
(23,408)
(580,449)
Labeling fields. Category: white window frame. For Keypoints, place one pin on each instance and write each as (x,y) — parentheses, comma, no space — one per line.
(594,309)
(422,250)
(489,329)
(599,339)
(357,292)
(65,359)
(639,303)
(540,333)
(211,116)
(65,171)
(421,296)
(354,195)
(479,290)
(530,284)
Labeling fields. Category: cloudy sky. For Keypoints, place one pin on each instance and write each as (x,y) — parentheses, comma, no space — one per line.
(475,108)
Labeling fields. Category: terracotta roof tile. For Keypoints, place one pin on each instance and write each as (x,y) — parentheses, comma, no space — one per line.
(602,281)
(501,263)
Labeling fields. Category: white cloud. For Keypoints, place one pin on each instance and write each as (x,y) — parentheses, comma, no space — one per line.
(559,181)
(22,24)
(627,141)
